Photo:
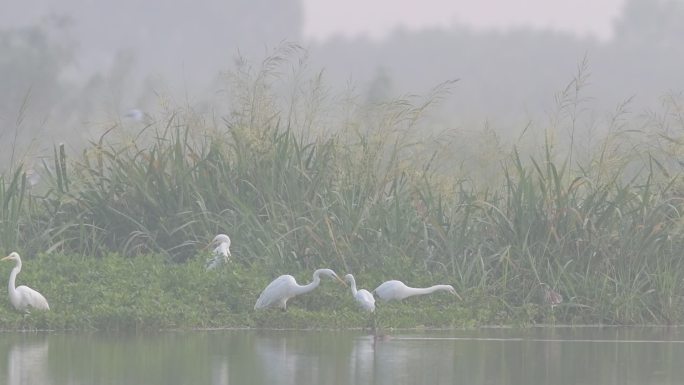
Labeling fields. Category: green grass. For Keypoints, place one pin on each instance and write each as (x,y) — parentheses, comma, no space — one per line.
(378,194)
(149,293)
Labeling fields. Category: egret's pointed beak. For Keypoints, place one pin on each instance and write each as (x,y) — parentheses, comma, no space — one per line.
(341,280)
(6,258)
(458,296)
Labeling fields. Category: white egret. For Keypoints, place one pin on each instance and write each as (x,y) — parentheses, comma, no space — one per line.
(363,297)
(397,290)
(135,114)
(281,289)
(221,252)
(23,297)
(32,177)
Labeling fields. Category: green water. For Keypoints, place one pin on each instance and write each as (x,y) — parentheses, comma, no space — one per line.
(489,356)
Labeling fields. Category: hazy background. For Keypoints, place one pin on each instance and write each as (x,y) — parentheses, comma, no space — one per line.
(70,69)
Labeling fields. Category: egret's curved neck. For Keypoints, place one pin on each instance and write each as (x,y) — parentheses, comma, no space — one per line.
(307,288)
(352,283)
(426,290)
(13,277)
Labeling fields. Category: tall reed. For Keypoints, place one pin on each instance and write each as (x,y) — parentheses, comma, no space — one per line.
(380,193)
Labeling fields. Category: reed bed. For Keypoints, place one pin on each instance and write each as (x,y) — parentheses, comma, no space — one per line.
(379,195)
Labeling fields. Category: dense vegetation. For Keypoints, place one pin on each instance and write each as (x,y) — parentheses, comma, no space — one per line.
(115,293)
(113,236)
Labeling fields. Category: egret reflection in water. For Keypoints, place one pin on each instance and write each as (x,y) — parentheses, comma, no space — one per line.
(27,363)
(219,372)
(281,363)
(561,356)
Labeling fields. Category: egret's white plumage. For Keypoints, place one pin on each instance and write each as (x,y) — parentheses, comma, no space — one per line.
(221,252)
(281,289)
(363,297)
(32,177)
(397,290)
(135,114)
(23,298)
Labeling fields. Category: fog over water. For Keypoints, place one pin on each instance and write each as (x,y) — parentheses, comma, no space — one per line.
(79,66)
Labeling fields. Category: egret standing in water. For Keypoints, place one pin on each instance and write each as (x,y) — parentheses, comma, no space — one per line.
(397,290)
(23,298)
(281,289)
(221,251)
(363,297)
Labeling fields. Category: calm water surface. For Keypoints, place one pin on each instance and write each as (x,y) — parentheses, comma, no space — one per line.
(489,356)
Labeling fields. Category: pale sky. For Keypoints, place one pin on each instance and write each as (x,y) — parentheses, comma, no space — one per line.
(377,18)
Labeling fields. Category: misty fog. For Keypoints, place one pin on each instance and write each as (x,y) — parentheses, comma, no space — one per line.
(71,69)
